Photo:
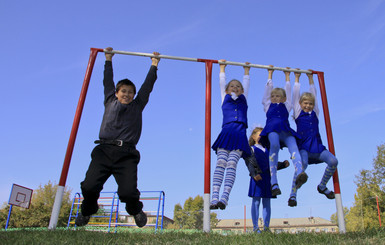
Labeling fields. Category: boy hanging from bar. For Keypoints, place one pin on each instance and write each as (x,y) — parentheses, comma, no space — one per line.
(116,152)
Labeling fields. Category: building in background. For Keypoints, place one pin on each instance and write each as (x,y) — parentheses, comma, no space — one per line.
(290,225)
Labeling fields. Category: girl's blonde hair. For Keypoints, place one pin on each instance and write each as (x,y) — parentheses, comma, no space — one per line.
(251,140)
(279,91)
(307,96)
(233,80)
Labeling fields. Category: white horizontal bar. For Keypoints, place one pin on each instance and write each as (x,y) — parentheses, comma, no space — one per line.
(264,67)
(151,55)
(202,60)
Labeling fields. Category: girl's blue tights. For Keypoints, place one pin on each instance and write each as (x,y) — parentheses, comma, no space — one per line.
(324,156)
(266,212)
(291,144)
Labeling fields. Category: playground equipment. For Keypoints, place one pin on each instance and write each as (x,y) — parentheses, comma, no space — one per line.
(112,214)
(20,196)
(207,170)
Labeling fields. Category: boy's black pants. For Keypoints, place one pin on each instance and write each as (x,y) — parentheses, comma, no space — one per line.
(122,163)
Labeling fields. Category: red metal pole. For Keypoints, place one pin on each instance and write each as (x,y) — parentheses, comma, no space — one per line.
(209,66)
(207,165)
(329,134)
(244,219)
(78,114)
(378,209)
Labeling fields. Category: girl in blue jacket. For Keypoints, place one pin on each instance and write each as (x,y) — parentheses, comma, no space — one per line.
(259,190)
(310,144)
(232,143)
(277,132)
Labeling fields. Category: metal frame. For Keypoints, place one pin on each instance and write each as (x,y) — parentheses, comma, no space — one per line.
(115,202)
(207,169)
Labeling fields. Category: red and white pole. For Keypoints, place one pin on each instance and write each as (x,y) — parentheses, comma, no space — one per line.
(71,142)
(244,219)
(337,191)
(207,162)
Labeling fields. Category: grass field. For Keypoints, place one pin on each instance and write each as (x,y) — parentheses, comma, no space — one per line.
(141,236)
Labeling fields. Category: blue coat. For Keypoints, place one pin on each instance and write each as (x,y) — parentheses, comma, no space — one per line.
(234,110)
(307,128)
(233,133)
(277,120)
(261,188)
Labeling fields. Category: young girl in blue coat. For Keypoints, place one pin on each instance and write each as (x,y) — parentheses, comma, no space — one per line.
(310,144)
(260,189)
(277,132)
(232,143)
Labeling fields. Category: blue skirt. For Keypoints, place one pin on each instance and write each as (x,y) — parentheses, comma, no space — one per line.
(261,188)
(233,137)
(264,140)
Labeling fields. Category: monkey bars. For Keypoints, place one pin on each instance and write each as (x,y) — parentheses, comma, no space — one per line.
(207,169)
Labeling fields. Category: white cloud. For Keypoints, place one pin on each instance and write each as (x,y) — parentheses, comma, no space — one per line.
(361,111)
(373,15)
(173,36)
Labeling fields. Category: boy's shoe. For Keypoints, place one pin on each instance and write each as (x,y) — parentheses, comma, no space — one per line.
(221,205)
(292,201)
(213,206)
(300,180)
(329,195)
(82,220)
(140,219)
(283,165)
(275,191)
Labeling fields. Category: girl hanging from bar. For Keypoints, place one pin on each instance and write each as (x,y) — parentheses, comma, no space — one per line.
(232,142)
(305,112)
(277,132)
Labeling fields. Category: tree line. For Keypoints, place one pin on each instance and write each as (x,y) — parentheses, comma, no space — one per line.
(365,213)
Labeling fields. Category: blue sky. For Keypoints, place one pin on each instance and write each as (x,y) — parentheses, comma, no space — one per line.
(46,47)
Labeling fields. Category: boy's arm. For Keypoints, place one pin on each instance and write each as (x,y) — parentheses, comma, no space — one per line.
(246,80)
(148,84)
(109,55)
(108,81)
(155,60)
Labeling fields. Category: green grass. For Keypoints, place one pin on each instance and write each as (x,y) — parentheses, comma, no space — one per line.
(141,236)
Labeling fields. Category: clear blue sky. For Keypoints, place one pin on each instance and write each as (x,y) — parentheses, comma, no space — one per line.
(46,47)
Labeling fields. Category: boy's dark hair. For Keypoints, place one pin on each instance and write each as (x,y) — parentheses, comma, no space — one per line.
(125,82)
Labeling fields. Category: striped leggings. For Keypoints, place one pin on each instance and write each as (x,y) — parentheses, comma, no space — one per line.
(226,161)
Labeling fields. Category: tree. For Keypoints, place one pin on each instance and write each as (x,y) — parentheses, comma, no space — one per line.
(39,213)
(191,215)
(379,167)
(370,185)
(364,214)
